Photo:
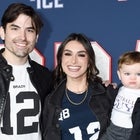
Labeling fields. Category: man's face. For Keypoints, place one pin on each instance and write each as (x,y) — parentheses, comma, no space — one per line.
(20,37)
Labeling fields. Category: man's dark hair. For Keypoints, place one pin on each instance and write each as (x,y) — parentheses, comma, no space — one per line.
(15,9)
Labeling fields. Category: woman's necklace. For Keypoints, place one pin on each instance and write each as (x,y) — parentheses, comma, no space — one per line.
(74,103)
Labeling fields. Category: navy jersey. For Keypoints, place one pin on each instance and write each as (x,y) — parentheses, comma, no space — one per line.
(78,122)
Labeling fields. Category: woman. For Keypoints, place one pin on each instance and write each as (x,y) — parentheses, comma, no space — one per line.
(79,107)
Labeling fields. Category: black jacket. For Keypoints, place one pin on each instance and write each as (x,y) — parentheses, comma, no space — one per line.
(39,76)
(101,103)
(135,135)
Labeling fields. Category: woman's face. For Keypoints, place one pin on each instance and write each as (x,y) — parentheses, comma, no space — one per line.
(74,60)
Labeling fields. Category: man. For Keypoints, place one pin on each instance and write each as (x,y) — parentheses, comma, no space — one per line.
(22,80)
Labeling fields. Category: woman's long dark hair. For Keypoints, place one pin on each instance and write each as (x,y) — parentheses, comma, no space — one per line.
(92,70)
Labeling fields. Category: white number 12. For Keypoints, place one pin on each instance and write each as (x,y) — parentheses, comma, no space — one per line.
(90,130)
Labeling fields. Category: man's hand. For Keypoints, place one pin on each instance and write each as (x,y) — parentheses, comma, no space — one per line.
(107,82)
